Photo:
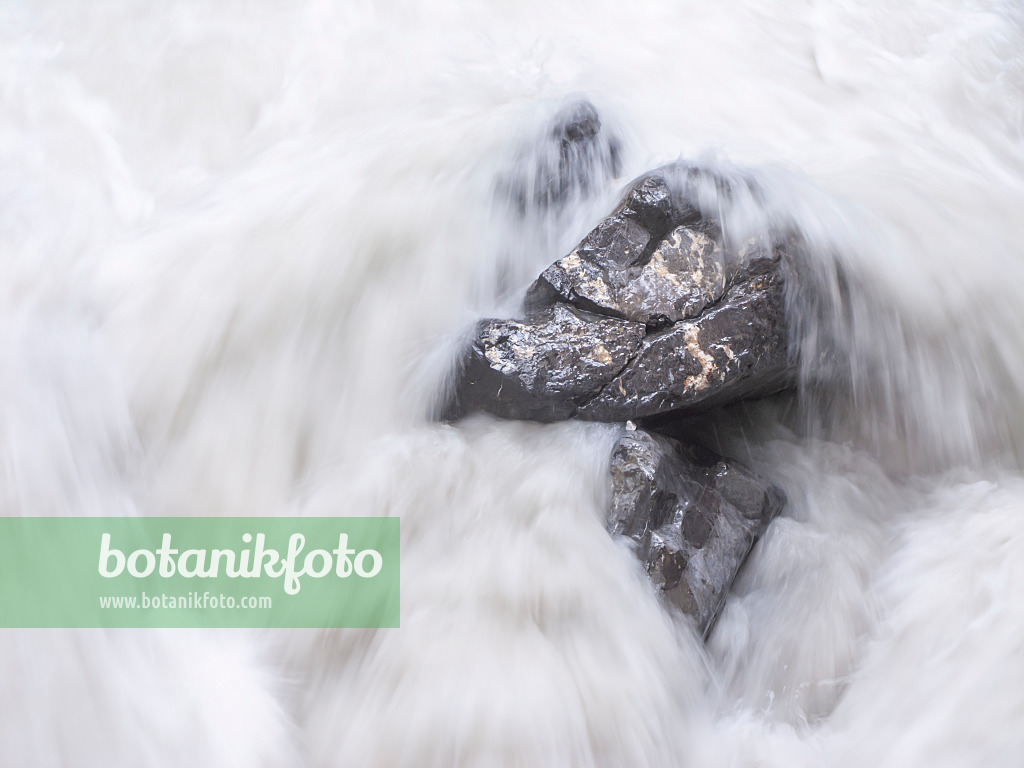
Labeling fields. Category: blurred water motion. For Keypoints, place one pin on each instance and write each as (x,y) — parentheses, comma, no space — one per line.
(241,242)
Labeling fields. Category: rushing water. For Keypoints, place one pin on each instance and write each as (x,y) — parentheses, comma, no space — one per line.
(240,241)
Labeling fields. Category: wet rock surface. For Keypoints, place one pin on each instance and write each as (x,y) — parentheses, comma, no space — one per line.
(734,350)
(710,317)
(546,368)
(600,274)
(694,518)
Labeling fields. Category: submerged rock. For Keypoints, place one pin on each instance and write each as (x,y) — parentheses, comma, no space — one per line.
(691,322)
(571,157)
(693,515)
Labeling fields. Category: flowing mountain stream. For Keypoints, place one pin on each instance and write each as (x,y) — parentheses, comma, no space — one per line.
(241,244)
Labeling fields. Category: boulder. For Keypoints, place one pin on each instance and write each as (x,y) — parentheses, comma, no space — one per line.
(693,516)
(691,321)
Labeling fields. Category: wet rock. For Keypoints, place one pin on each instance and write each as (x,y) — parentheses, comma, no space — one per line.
(685,273)
(704,318)
(650,203)
(736,349)
(694,517)
(592,275)
(695,320)
(543,368)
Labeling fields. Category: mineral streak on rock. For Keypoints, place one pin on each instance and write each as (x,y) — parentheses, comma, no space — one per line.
(683,274)
(736,349)
(621,241)
(694,517)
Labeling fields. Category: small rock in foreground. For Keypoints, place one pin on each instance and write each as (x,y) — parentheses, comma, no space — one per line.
(693,515)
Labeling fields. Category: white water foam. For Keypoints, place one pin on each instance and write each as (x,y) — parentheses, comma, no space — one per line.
(241,241)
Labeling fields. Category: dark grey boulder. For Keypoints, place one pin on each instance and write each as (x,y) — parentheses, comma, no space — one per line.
(693,321)
(694,518)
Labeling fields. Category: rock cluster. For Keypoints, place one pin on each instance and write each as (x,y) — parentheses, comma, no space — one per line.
(655,314)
